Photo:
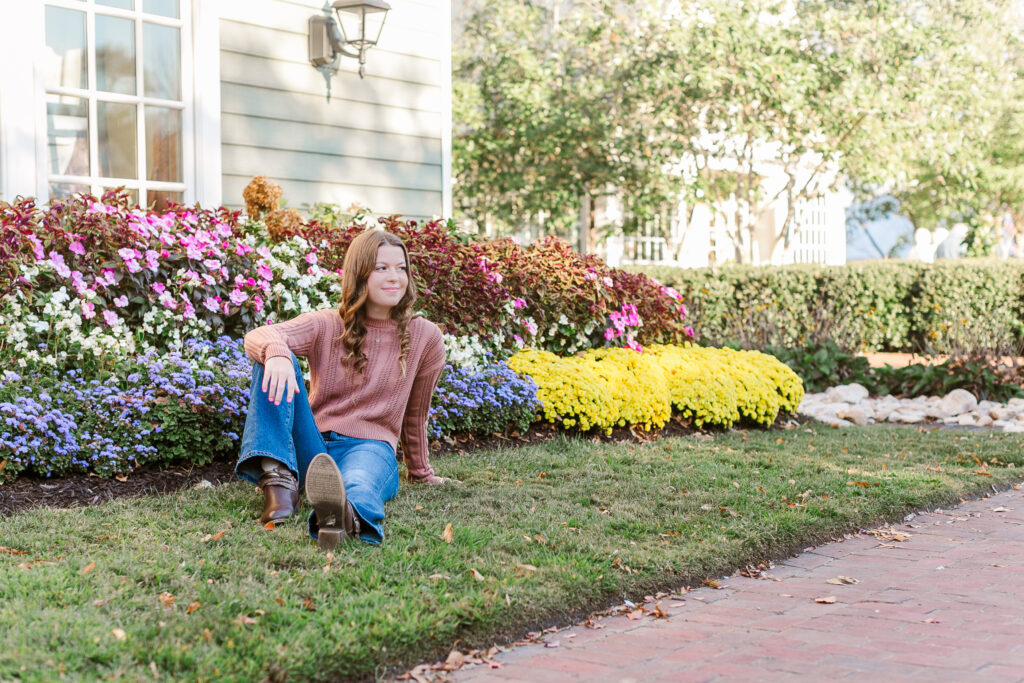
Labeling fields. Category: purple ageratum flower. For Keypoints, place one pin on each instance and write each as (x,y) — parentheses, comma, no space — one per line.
(111,318)
(77,247)
(238,297)
(121,301)
(88,310)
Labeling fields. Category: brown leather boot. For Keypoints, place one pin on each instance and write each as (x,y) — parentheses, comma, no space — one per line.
(325,489)
(280,495)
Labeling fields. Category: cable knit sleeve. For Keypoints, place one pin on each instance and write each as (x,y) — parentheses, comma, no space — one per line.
(414,424)
(297,336)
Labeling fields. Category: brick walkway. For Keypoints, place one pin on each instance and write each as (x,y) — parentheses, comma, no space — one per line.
(946,603)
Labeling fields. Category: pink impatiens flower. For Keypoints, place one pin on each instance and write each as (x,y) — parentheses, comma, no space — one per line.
(159,287)
(607,281)
(264,271)
(121,301)
(311,258)
(77,248)
(238,297)
(111,318)
(58,263)
(211,304)
(518,303)
(88,310)
(689,331)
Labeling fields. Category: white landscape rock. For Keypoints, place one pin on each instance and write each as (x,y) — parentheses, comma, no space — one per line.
(958,401)
(847,393)
(851,404)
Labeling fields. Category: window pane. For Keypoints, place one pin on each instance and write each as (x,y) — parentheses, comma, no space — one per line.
(162,61)
(65,63)
(116,135)
(165,8)
(65,190)
(67,135)
(158,199)
(163,144)
(123,4)
(115,54)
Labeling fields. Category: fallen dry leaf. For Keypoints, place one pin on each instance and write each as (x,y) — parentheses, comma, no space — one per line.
(242,620)
(121,477)
(438,577)
(269,526)
(219,535)
(635,614)
(87,568)
(166,599)
(1001,509)
(308,604)
(711,583)
(207,636)
(12,551)
(192,607)
(657,612)
(119,633)
(476,575)
(826,600)
(418,507)
(842,580)
(448,535)
(98,603)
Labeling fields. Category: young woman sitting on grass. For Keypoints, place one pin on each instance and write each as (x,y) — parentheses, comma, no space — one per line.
(374,366)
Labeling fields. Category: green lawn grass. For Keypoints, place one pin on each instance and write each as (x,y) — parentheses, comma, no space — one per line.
(541,535)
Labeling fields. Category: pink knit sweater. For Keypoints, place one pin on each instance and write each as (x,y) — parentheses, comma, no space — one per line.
(382,405)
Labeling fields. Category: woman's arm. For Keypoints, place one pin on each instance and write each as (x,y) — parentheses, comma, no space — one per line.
(414,424)
(273,345)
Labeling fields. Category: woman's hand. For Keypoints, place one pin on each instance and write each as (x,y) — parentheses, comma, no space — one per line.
(279,379)
(433,480)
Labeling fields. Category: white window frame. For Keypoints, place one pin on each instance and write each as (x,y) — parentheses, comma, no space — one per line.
(23,130)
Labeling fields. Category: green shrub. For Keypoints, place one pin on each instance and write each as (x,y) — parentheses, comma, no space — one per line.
(959,307)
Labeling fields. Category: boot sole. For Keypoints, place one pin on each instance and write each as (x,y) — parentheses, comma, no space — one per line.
(325,490)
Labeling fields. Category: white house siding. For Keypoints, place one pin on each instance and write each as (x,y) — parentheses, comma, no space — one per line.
(380,141)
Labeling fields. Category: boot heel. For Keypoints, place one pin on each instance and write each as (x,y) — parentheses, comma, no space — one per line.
(328,538)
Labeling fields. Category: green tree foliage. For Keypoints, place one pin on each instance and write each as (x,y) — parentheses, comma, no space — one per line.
(702,100)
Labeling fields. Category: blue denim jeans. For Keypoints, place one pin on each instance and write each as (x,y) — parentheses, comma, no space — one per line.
(288,433)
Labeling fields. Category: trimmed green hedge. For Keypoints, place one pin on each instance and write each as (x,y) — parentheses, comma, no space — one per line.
(961,306)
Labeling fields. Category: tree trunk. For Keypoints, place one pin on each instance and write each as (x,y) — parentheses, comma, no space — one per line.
(586,224)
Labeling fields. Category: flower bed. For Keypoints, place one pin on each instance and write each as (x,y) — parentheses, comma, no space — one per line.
(610,388)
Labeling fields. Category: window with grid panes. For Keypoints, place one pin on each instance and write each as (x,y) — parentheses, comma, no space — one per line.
(115,110)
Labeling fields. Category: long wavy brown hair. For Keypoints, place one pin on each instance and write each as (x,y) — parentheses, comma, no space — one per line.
(360,260)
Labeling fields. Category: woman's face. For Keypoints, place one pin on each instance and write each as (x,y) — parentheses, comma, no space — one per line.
(387,282)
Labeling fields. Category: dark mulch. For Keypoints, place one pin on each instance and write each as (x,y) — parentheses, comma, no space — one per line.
(89,489)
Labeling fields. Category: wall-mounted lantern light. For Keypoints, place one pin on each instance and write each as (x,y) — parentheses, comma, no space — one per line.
(356,29)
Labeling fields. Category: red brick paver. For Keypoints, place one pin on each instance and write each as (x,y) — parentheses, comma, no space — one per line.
(946,604)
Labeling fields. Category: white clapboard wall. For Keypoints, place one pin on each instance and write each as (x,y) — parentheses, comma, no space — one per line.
(382,141)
